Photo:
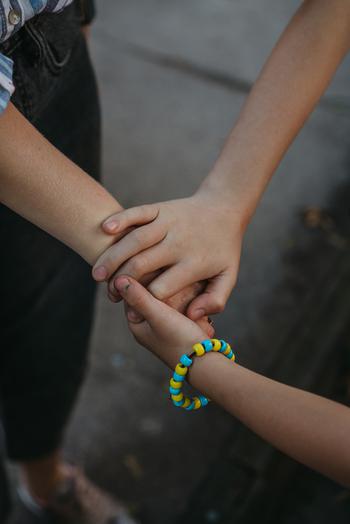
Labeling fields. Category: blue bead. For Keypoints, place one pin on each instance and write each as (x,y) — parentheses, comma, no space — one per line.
(186,360)
(203,399)
(178,378)
(230,355)
(207,344)
(178,403)
(223,346)
(190,407)
(174,391)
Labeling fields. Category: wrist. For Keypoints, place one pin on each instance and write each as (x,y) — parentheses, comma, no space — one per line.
(204,372)
(201,367)
(98,240)
(222,196)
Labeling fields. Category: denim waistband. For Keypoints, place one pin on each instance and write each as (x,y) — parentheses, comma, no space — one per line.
(58,29)
(42,52)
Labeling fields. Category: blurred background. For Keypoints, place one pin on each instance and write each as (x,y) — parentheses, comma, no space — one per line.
(172,77)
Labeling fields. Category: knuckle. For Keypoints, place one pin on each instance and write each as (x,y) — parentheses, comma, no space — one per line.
(234,280)
(218,304)
(145,209)
(138,302)
(197,287)
(156,291)
(150,210)
(138,238)
(146,236)
(136,265)
(109,259)
(110,264)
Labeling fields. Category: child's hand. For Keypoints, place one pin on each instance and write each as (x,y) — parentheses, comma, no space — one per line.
(179,302)
(195,239)
(164,331)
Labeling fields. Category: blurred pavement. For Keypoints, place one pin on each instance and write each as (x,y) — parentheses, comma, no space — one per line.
(172,77)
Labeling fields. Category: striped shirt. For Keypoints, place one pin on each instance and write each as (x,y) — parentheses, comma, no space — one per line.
(13,15)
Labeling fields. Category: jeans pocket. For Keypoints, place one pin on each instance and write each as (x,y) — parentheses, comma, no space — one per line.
(54,36)
(43,53)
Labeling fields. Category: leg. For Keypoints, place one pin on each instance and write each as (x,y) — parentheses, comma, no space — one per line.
(47,309)
(4,493)
(42,476)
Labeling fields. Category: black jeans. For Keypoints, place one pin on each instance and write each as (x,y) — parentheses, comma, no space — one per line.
(47,293)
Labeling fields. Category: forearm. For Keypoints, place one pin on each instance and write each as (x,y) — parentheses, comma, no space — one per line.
(309,428)
(45,187)
(293,79)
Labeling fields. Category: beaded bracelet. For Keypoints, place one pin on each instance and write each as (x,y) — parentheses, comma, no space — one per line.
(181,369)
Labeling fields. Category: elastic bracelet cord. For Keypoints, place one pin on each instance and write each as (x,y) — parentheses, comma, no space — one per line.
(176,382)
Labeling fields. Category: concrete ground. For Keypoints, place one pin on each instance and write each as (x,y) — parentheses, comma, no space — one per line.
(172,77)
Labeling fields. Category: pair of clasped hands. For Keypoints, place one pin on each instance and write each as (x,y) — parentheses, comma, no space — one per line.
(185,252)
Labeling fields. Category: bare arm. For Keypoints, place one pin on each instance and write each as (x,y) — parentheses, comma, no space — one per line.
(295,76)
(309,428)
(45,187)
(289,86)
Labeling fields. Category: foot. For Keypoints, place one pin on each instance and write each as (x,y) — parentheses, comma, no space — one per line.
(4,493)
(76,501)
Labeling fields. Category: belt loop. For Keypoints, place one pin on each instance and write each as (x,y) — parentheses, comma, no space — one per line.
(82,11)
(87,10)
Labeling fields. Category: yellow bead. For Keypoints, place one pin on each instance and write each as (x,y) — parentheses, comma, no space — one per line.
(233,358)
(186,403)
(197,403)
(227,350)
(216,344)
(175,384)
(181,369)
(198,349)
(178,397)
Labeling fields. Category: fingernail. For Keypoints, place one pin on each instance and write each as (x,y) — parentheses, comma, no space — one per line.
(115,293)
(121,284)
(110,225)
(100,273)
(133,316)
(198,313)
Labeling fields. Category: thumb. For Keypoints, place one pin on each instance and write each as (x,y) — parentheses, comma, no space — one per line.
(139,299)
(214,298)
